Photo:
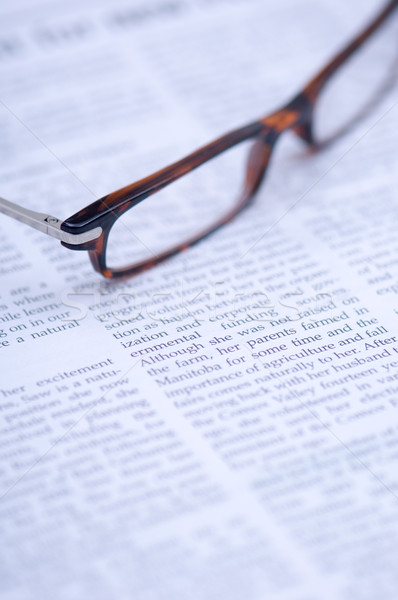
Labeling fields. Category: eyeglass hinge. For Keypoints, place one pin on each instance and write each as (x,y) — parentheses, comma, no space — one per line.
(47,224)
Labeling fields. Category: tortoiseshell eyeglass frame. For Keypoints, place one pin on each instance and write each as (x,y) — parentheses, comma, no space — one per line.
(89,228)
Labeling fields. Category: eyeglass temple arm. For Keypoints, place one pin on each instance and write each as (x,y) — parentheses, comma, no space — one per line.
(46,223)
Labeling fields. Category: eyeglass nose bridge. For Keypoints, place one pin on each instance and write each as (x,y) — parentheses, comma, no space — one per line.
(296,116)
(303,105)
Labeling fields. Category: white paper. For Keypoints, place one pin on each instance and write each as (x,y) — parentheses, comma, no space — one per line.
(224,425)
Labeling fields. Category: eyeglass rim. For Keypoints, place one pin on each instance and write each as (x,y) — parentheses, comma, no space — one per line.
(296,115)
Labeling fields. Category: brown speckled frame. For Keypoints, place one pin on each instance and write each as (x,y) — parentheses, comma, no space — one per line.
(296,115)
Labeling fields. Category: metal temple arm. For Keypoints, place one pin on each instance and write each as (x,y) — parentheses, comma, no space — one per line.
(46,223)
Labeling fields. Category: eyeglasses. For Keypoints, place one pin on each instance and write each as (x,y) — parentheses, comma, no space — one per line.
(122,242)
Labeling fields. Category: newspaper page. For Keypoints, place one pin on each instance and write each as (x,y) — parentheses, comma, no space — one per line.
(224,425)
